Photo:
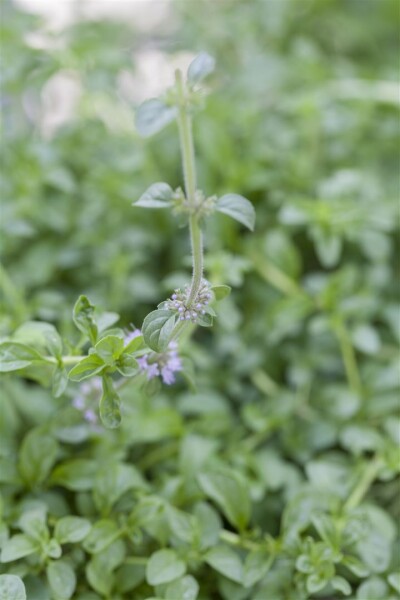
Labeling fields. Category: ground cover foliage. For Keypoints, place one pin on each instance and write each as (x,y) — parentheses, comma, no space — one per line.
(269,469)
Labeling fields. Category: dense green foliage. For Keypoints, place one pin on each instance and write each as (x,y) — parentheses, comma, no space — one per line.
(269,472)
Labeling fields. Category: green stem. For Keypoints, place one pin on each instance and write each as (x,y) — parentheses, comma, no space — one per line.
(364,484)
(349,358)
(235,540)
(189,175)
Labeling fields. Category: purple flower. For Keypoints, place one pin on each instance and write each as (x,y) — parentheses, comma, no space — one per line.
(90,416)
(164,364)
(151,369)
(131,335)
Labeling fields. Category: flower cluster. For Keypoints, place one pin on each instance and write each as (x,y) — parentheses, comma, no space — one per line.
(87,399)
(162,365)
(179,302)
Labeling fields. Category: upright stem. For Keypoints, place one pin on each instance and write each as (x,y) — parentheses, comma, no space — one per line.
(189,174)
(365,482)
(349,358)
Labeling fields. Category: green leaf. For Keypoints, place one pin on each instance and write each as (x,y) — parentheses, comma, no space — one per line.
(41,336)
(52,549)
(110,348)
(70,530)
(18,546)
(200,67)
(182,525)
(221,291)
(158,195)
(83,316)
(15,356)
(33,523)
(152,116)
(224,560)
(205,320)
(164,566)
(12,588)
(102,534)
(127,365)
(110,412)
(315,583)
(75,475)
(366,339)
(37,456)
(230,493)
(186,588)
(393,579)
(88,367)
(157,328)
(340,584)
(238,208)
(134,345)
(113,481)
(256,566)
(59,381)
(374,588)
(62,579)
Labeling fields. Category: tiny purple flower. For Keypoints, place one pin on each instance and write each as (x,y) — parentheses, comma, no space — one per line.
(131,335)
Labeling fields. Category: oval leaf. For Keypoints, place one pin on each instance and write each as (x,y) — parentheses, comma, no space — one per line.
(110,412)
(15,356)
(164,566)
(87,367)
(159,195)
(239,208)
(152,116)
(200,67)
(157,328)
(12,588)
(62,579)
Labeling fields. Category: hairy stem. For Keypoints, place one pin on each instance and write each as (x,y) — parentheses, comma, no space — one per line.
(189,175)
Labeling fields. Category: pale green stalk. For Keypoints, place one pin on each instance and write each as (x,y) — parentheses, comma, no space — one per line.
(189,175)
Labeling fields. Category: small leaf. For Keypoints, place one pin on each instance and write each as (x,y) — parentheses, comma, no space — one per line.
(237,208)
(88,367)
(15,356)
(18,546)
(186,588)
(164,566)
(41,336)
(70,530)
(102,534)
(75,475)
(152,116)
(393,579)
(83,316)
(52,549)
(256,566)
(37,455)
(110,412)
(200,67)
(12,588)
(159,195)
(230,493)
(224,560)
(340,584)
(221,291)
(127,365)
(110,348)
(62,579)
(59,381)
(157,328)
(205,320)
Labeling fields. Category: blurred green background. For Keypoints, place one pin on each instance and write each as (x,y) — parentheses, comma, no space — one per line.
(303,120)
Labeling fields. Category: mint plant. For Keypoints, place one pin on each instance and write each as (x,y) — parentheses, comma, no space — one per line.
(276,477)
(37,347)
